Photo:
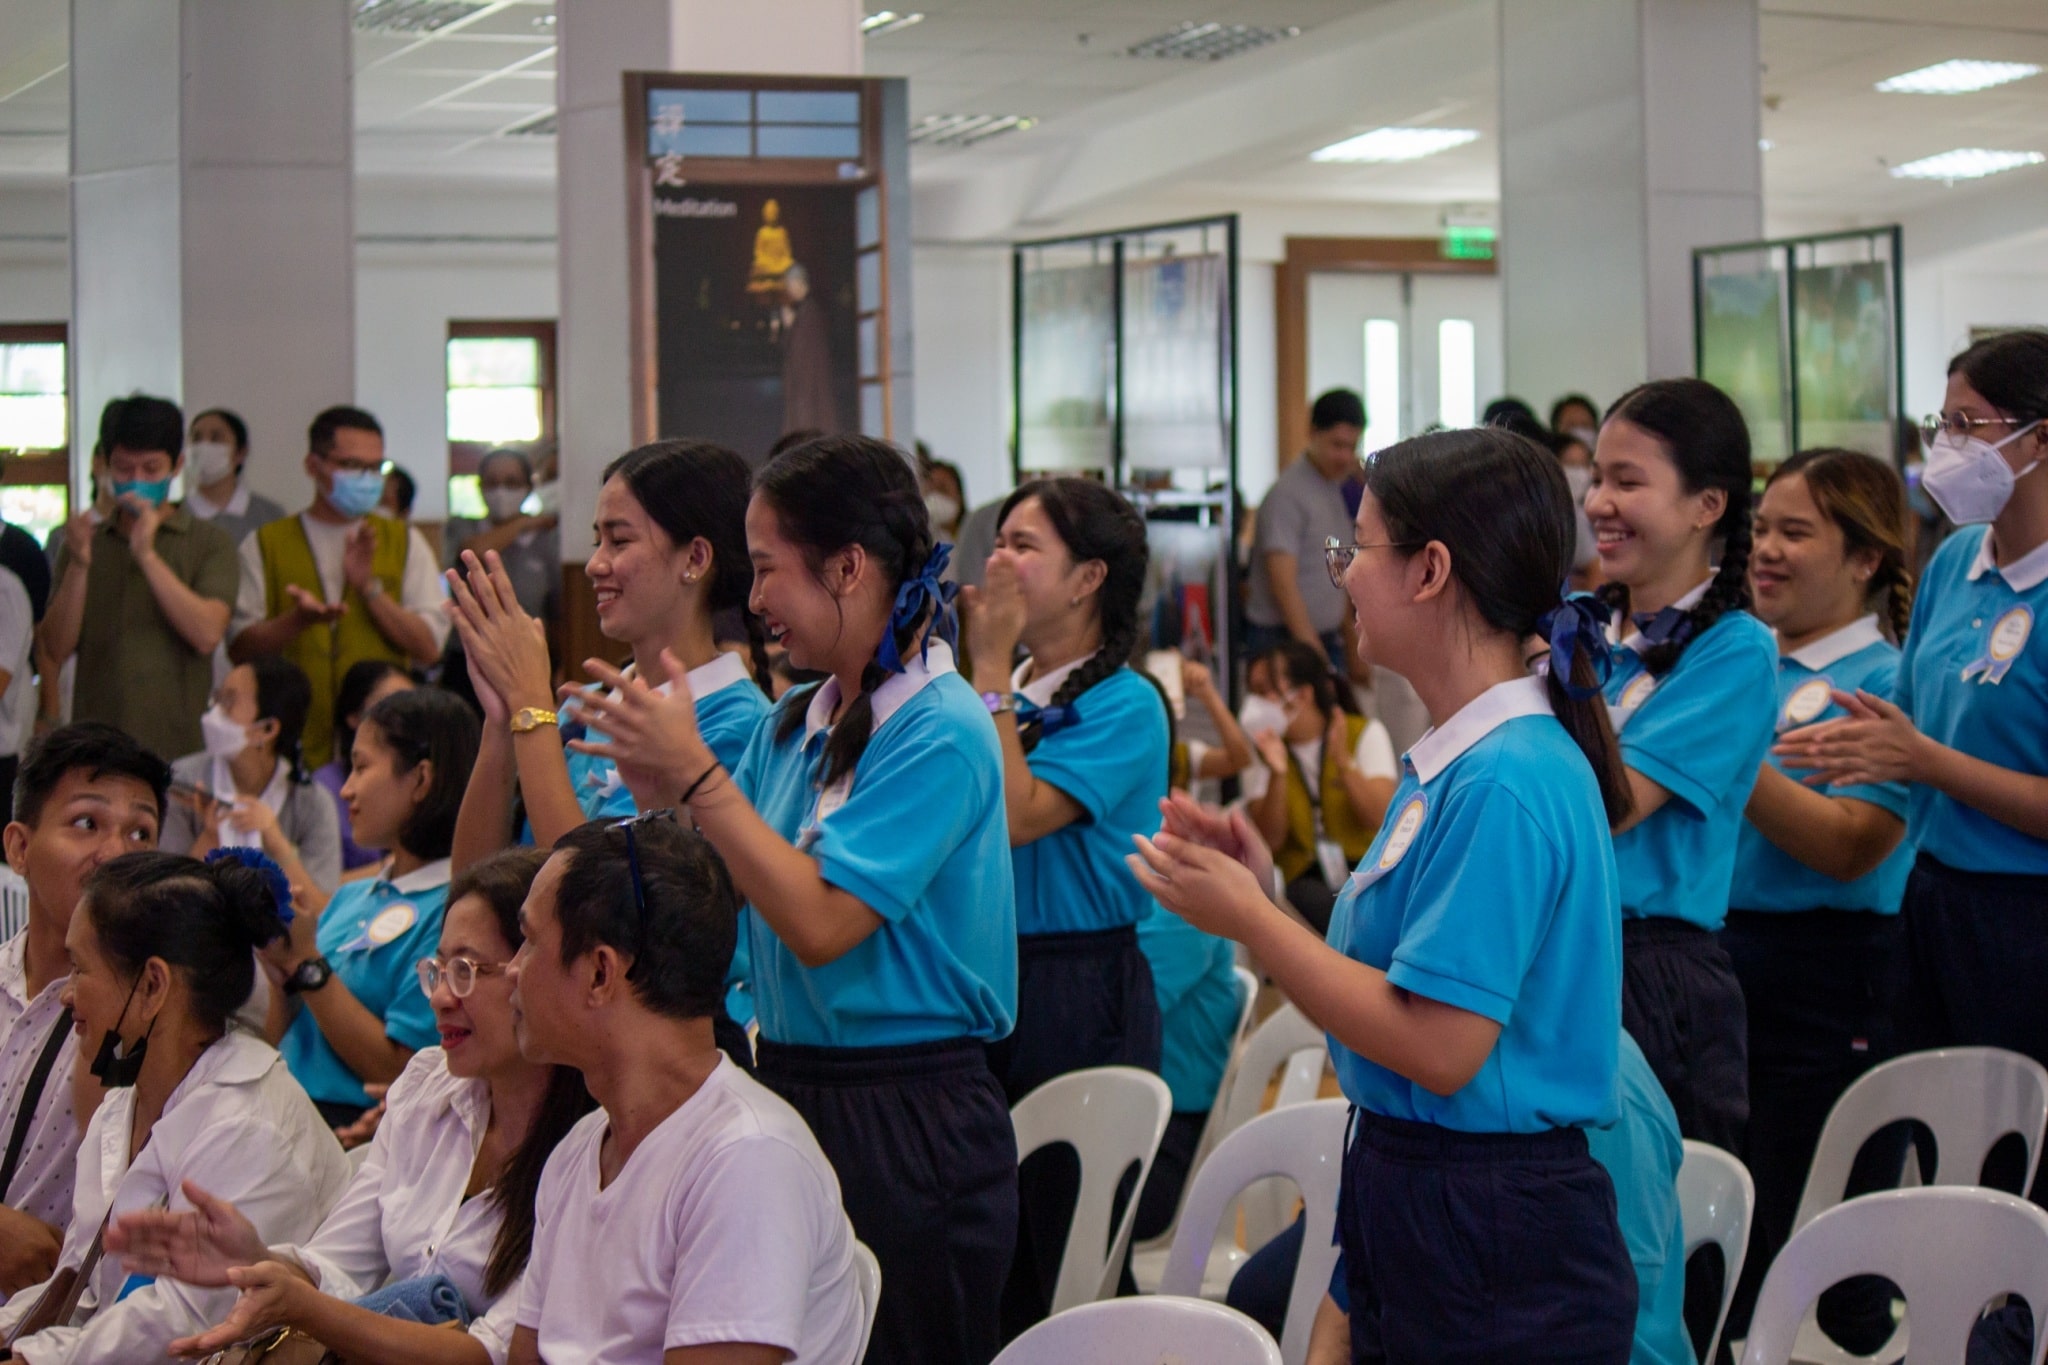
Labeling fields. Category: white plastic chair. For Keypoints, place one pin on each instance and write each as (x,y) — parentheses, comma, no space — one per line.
(1950,1249)
(1113,1116)
(1155,1330)
(1304,1143)
(1970,1097)
(1716,1200)
(867,1282)
(1280,1041)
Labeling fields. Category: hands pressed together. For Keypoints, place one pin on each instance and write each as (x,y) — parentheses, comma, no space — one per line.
(1876,742)
(1208,866)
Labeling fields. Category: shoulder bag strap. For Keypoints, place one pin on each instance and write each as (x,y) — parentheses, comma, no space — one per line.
(31,1097)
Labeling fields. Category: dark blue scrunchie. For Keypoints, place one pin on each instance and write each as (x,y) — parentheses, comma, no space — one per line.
(911,598)
(257,861)
(1577,623)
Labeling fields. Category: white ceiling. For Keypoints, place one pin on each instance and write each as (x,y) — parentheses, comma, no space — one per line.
(445,105)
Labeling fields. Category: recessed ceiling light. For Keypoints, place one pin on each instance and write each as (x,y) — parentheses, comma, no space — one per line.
(1966,163)
(410,16)
(1210,42)
(964,130)
(887,21)
(1958,77)
(1764,144)
(1395,144)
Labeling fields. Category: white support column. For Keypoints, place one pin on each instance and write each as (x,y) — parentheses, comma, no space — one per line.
(1628,137)
(213,259)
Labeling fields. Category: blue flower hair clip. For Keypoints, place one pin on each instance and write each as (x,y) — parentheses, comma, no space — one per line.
(274,880)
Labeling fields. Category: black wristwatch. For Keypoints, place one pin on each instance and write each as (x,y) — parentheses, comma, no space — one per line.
(309,975)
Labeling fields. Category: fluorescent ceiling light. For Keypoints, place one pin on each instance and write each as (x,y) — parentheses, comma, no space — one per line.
(887,21)
(964,130)
(1966,163)
(1395,144)
(1210,42)
(1958,77)
(410,16)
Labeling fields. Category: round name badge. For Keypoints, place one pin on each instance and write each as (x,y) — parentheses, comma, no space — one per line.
(390,922)
(1638,691)
(2009,635)
(1808,700)
(1405,830)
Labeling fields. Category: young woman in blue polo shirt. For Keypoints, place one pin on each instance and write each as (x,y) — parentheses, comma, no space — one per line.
(1813,911)
(1967,722)
(1471,980)
(1690,694)
(1084,742)
(865,826)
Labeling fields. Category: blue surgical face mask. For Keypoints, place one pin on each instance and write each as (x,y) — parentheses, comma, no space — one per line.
(356,493)
(151,491)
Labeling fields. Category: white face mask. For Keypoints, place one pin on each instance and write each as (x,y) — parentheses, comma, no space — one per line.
(1260,714)
(1580,478)
(211,461)
(225,737)
(1968,478)
(943,508)
(504,503)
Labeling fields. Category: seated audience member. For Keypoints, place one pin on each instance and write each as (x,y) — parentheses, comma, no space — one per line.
(362,687)
(695,1218)
(1317,830)
(440,1216)
(215,455)
(1194,761)
(336,584)
(531,546)
(161,957)
(143,597)
(400,489)
(1195,977)
(86,793)
(359,1012)
(247,788)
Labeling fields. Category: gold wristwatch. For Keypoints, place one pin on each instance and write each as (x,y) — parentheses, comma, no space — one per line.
(528,718)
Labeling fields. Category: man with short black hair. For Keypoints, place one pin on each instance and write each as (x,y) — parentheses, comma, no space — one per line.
(338,584)
(144,595)
(1291,593)
(693,1217)
(85,793)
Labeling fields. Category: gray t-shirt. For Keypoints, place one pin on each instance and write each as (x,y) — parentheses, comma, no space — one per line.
(1302,510)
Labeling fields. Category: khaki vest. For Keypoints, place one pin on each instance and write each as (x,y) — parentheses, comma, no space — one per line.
(1296,856)
(326,652)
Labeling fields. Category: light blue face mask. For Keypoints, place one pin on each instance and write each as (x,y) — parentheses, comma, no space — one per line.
(151,491)
(356,493)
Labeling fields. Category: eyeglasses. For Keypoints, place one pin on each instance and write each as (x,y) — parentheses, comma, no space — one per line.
(459,972)
(1337,556)
(1958,425)
(341,466)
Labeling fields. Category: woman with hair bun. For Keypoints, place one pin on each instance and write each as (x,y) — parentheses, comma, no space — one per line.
(161,957)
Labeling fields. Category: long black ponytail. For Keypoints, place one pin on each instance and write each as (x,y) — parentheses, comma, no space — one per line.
(1702,431)
(834,492)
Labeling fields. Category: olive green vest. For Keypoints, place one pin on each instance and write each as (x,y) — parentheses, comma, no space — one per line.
(1296,855)
(326,652)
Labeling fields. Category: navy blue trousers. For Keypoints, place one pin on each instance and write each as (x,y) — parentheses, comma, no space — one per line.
(927,1162)
(1463,1248)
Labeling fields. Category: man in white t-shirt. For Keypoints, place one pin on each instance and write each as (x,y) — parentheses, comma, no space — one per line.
(692,1219)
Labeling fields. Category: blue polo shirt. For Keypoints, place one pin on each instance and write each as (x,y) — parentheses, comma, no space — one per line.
(919,833)
(1856,658)
(1194,975)
(1112,762)
(1491,887)
(729,706)
(1642,1153)
(374,933)
(1974,676)
(1700,732)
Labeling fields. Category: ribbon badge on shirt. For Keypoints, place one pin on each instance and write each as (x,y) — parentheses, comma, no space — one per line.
(2008,637)
(1400,838)
(386,925)
(1806,703)
(1632,697)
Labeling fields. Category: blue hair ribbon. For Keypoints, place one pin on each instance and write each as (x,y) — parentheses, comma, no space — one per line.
(1053,719)
(1673,625)
(1577,623)
(257,861)
(924,587)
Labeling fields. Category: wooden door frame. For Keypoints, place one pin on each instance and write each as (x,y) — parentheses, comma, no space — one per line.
(1308,255)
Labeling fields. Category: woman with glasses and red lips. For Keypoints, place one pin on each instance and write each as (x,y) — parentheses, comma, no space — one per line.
(442,1210)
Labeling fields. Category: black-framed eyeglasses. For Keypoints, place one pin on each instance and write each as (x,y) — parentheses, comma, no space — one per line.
(1337,556)
(459,972)
(1958,425)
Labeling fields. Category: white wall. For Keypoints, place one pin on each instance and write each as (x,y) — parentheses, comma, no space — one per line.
(961,312)
(2003,285)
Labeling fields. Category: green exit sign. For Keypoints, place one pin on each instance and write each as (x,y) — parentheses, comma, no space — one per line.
(1469,243)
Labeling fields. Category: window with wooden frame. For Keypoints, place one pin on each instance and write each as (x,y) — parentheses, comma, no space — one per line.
(35,440)
(501,392)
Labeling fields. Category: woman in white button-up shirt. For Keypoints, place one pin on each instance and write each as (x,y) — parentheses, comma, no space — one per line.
(160,959)
(447,1189)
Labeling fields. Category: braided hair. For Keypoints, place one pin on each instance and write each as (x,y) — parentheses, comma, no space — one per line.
(1703,433)
(831,493)
(1094,522)
(693,489)
(1867,500)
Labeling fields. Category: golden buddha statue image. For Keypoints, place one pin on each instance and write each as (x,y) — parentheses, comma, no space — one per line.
(772,258)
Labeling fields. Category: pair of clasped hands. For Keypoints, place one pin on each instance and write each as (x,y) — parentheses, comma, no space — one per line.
(650,735)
